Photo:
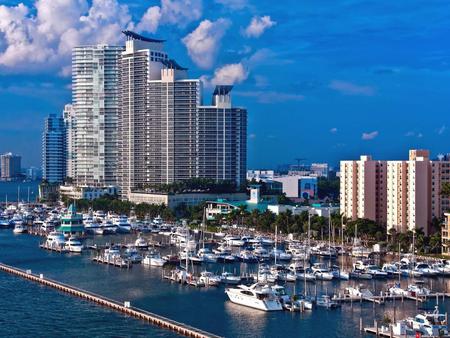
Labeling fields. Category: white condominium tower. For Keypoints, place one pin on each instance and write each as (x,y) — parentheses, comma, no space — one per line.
(165,133)
(95,114)
(54,150)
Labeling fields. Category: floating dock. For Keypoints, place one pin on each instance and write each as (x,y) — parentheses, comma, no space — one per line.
(119,262)
(57,248)
(383,298)
(126,308)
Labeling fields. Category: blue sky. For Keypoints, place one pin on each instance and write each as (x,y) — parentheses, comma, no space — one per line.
(321,80)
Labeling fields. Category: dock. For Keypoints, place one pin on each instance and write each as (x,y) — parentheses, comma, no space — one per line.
(114,261)
(56,248)
(387,297)
(125,308)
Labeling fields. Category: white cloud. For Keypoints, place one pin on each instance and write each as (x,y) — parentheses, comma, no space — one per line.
(258,25)
(369,136)
(233,4)
(42,37)
(441,130)
(150,20)
(226,75)
(333,130)
(172,12)
(204,42)
(261,81)
(349,88)
(270,96)
(252,136)
(412,133)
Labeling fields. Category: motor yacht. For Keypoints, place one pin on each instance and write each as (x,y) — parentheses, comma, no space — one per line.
(154,259)
(256,296)
(390,269)
(280,255)
(376,272)
(418,289)
(432,324)
(20,228)
(229,278)
(247,256)
(122,224)
(141,243)
(326,302)
(207,255)
(73,244)
(321,272)
(357,292)
(425,270)
(55,239)
(396,290)
(280,293)
(209,278)
(233,241)
(133,255)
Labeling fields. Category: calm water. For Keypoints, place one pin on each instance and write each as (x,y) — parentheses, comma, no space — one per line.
(30,309)
(12,190)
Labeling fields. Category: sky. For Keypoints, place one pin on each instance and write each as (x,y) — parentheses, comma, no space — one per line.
(321,80)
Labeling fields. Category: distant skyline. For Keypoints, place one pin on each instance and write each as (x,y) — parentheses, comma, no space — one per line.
(322,81)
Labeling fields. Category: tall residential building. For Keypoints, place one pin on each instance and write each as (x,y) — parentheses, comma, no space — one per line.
(408,192)
(221,139)
(166,134)
(69,126)
(95,108)
(10,166)
(362,190)
(54,150)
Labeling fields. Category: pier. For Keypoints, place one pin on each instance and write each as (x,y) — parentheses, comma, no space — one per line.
(125,308)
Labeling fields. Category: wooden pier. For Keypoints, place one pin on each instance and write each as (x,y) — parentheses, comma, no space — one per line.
(126,308)
(383,298)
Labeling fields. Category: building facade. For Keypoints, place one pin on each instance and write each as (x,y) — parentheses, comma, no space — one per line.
(69,125)
(54,154)
(95,108)
(303,187)
(166,134)
(10,166)
(403,195)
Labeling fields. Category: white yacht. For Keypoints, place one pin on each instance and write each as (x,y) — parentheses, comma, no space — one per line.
(73,244)
(55,239)
(154,259)
(256,296)
(229,278)
(141,243)
(210,279)
(321,272)
(425,270)
(233,241)
(20,229)
(123,226)
(432,324)
(357,292)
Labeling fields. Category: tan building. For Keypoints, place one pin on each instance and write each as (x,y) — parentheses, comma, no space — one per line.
(446,235)
(403,195)
(363,193)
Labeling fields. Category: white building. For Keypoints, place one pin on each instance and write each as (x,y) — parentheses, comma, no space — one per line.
(260,175)
(68,117)
(95,114)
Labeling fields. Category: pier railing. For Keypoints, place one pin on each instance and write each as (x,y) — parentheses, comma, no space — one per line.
(161,321)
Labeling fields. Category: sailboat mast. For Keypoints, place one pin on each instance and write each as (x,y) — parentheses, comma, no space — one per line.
(276,243)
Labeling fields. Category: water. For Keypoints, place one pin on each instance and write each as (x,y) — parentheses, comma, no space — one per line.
(30,308)
(12,190)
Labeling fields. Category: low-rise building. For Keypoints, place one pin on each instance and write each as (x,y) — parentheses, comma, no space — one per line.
(304,187)
(72,192)
(174,200)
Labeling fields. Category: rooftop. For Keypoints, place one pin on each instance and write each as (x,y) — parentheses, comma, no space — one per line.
(172,64)
(136,36)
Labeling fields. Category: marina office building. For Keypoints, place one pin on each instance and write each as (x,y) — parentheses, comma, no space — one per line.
(403,195)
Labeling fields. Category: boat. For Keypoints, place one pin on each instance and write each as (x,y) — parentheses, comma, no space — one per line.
(280,293)
(396,290)
(20,229)
(209,278)
(425,270)
(321,272)
(417,289)
(247,256)
(358,274)
(326,302)
(73,244)
(122,224)
(390,269)
(141,243)
(357,292)
(154,259)
(256,296)
(233,241)
(229,278)
(55,240)
(432,324)
(376,272)
(133,255)
(172,259)
(207,255)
